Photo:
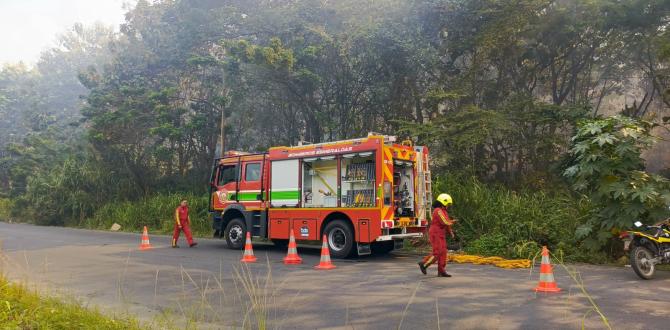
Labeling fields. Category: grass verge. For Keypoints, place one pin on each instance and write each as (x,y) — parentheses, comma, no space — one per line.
(21,308)
(6,206)
(155,212)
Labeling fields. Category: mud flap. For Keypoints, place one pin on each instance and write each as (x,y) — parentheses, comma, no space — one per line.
(363,249)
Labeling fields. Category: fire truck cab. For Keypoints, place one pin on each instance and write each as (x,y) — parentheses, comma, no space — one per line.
(363,194)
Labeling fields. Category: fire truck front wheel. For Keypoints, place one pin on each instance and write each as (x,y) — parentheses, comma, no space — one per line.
(236,232)
(340,239)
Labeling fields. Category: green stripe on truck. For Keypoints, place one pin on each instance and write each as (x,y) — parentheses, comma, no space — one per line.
(284,195)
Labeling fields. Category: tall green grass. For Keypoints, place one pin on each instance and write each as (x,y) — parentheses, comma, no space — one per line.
(155,212)
(494,220)
(6,206)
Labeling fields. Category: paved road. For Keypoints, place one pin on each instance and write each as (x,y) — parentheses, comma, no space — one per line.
(208,285)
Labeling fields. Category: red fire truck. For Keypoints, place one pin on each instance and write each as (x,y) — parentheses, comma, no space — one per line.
(363,194)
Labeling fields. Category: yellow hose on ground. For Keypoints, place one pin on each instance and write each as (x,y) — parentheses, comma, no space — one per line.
(496,261)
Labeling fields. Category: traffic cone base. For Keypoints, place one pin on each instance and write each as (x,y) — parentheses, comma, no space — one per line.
(325,262)
(547,282)
(248,256)
(292,260)
(292,257)
(144,244)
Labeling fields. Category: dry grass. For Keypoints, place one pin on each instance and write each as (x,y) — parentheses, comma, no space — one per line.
(576,277)
(207,300)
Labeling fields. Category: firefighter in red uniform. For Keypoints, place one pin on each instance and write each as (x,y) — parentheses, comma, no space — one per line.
(182,222)
(439,226)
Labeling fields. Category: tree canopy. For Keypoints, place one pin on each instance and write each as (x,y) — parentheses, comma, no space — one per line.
(495,88)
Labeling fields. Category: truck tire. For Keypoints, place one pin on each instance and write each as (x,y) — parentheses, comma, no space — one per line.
(340,237)
(236,232)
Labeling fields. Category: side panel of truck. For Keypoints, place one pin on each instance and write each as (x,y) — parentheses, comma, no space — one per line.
(307,224)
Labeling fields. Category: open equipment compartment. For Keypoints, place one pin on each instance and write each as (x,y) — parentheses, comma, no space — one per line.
(319,182)
(403,187)
(357,172)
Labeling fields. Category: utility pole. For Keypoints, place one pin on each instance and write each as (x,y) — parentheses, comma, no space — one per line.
(223,124)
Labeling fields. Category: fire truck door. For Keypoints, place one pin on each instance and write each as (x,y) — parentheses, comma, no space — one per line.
(226,185)
(250,184)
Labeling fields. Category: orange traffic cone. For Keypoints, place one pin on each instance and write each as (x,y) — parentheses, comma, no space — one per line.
(325,256)
(547,282)
(145,245)
(248,251)
(292,257)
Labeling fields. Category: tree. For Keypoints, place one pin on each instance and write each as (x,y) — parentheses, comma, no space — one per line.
(608,168)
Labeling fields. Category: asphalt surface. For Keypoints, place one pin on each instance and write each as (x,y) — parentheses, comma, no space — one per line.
(207,286)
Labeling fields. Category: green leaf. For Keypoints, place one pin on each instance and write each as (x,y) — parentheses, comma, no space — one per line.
(604,139)
(583,231)
(571,171)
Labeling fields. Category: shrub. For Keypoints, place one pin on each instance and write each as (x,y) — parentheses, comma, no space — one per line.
(6,206)
(156,212)
(490,244)
(607,167)
(494,220)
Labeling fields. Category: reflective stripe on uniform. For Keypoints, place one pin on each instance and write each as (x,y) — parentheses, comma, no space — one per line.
(444,219)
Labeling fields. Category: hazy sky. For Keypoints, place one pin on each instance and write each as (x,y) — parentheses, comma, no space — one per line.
(29,26)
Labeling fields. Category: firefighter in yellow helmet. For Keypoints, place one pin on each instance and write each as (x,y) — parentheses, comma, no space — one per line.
(440,225)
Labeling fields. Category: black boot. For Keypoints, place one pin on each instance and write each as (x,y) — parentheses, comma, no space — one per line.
(443,275)
(422,267)
(194,244)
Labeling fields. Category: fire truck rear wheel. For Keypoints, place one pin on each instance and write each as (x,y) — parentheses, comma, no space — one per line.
(236,232)
(340,239)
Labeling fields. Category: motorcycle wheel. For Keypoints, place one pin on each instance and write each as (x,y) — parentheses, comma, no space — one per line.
(638,261)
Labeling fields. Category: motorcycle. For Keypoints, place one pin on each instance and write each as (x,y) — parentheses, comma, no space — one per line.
(648,247)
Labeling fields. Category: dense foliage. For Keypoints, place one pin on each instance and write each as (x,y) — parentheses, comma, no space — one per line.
(609,169)
(496,89)
(494,221)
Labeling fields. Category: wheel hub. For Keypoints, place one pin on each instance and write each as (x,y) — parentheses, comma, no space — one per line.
(645,263)
(236,233)
(337,239)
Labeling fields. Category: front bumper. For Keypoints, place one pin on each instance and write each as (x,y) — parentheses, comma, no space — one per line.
(398,236)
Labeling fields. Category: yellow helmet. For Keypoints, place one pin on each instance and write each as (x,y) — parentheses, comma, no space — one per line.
(445,199)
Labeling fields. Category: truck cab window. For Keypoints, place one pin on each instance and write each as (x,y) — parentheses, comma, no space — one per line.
(252,172)
(227,174)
